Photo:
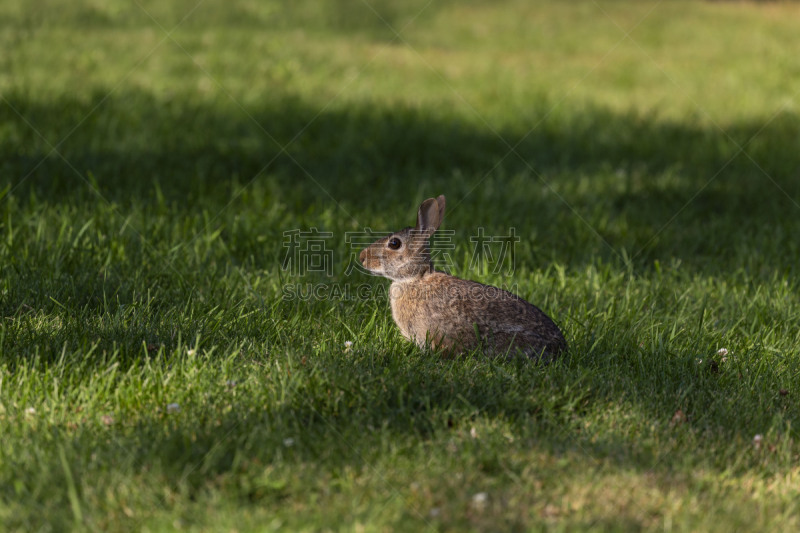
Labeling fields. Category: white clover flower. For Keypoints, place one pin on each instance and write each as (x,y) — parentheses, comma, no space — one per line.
(30,411)
(757,440)
(480,499)
(288,442)
(173,408)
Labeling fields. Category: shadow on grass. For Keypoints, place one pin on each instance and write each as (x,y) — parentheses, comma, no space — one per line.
(626,175)
(359,415)
(652,187)
(367,418)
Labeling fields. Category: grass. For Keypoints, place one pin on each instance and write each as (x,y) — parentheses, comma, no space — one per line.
(154,377)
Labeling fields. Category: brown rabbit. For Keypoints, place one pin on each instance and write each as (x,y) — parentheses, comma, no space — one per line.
(435,309)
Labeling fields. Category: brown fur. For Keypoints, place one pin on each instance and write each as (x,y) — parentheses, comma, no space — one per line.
(441,311)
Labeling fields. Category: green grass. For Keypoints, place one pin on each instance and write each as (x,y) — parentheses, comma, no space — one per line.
(147,180)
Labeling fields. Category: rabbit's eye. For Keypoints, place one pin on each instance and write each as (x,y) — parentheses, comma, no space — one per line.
(395,243)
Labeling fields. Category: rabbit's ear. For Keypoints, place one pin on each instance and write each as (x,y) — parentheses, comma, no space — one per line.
(430,215)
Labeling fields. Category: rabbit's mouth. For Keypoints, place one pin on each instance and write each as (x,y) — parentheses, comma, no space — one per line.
(375,271)
(373,266)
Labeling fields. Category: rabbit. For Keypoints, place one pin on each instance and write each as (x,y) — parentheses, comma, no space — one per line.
(436,310)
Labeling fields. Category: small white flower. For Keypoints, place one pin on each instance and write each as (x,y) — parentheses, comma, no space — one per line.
(173,408)
(288,442)
(473,433)
(722,352)
(757,440)
(191,352)
(348,345)
(480,499)
(30,411)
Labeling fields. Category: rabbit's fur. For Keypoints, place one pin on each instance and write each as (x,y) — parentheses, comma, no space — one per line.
(441,311)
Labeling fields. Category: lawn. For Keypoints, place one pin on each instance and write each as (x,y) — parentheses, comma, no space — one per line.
(174,354)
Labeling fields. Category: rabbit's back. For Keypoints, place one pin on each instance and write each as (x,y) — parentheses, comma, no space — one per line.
(456,314)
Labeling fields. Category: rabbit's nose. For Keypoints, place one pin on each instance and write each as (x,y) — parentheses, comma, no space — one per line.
(362,255)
